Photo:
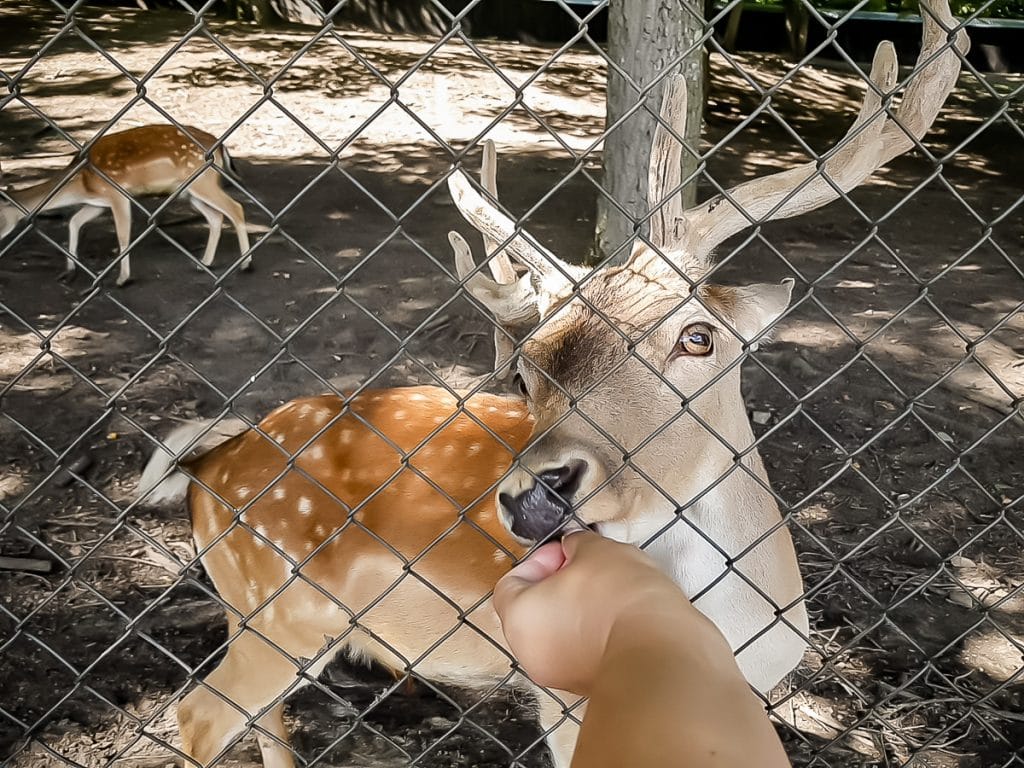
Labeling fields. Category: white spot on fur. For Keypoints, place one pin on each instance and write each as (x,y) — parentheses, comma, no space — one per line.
(279,493)
(305,505)
(449,450)
(399,415)
(306,410)
(474,449)
(317,452)
(345,475)
(499,556)
(225,476)
(244,492)
(492,409)
(438,419)
(308,545)
(321,417)
(320,531)
(279,437)
(345,436)
(417,397)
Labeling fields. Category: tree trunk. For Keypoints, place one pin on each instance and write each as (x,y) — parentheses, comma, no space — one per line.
(647,40)
(259,11)
(417,16)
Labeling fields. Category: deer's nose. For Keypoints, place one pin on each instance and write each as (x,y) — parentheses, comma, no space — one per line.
(538,511)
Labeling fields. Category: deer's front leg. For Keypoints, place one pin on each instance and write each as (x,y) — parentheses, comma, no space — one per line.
(560,717)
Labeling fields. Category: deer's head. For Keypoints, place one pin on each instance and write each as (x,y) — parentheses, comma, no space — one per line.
(632,372)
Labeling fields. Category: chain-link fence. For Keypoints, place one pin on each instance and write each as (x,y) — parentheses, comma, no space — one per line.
(886,407)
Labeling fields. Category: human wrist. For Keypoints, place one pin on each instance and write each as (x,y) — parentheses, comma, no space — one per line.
(670,633)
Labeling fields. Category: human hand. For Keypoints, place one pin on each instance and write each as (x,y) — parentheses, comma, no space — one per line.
(561,607)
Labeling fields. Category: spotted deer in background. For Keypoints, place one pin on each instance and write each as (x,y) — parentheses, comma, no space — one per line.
(378,524)
(148,160)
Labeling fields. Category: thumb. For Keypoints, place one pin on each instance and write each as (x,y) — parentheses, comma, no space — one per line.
(544,562)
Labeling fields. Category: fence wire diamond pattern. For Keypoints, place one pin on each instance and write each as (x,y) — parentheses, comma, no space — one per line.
(886,407)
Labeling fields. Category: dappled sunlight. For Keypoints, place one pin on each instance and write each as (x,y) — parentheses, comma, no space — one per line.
(995,653)
(12,485)
(35,361)
(927,350)
(981,584)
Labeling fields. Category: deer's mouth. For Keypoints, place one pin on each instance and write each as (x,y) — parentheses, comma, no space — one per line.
(571,525)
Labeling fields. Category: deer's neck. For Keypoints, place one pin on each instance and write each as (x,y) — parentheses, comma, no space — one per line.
(733,555)
(734,515)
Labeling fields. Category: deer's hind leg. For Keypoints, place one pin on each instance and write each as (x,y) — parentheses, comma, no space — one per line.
(214,222)
(207,188)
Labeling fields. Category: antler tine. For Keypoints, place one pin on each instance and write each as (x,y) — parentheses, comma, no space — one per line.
(921,103)
(871,142)
(499,263)
(512,303)
(551,273)
(664,173)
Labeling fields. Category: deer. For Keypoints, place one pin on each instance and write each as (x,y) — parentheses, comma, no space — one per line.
(375,523)
(147,160)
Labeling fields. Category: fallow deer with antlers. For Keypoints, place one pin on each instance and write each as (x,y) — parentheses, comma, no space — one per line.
(148,160)
(377,524)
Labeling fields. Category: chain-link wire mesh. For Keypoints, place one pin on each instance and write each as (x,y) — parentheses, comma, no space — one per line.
(886,408)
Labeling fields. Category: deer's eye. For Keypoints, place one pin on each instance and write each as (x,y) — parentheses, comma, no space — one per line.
(695,340)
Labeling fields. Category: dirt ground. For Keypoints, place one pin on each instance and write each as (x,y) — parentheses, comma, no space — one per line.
(889,402)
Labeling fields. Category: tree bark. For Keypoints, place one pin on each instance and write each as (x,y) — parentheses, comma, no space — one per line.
(417,16)
(647,40)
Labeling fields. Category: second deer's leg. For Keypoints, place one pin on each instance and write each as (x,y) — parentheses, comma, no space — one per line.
(207,188)
(121,207)
(214,220)
(82,217)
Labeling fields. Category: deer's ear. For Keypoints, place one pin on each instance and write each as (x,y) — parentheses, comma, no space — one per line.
(759,305)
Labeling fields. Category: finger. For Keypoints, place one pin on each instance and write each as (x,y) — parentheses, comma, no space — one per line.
(538,566)
(574,541)
(541,563)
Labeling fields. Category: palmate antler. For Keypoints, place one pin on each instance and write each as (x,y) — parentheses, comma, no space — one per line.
(874,139)
(687,237)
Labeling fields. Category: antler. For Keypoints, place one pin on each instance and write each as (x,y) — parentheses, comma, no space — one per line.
(511,303)
(664,175)
(498,262)
(511,299)
(873,140)
(552,276)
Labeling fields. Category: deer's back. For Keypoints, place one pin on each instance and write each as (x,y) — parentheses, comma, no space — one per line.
(340,496)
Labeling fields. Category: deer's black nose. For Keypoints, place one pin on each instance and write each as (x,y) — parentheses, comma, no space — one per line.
(538,511)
